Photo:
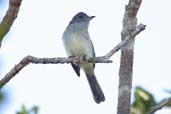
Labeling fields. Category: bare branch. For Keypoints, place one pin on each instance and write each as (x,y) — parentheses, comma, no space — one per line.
(127,54)
(9,17)
(30,59)
(159,106)
(138,29)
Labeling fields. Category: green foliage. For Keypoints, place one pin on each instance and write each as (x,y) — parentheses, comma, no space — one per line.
(1,85)
(33,110)
(1,97)
(4,28)
(144,100)
(23,110)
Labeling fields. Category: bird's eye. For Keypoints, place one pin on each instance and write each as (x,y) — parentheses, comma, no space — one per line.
(80,16)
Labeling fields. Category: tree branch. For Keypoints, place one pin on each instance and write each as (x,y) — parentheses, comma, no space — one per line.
(9,17)
(159,106)
(30,59)
(132,35)
(127,54)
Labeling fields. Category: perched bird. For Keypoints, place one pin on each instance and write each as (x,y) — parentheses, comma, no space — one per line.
(77,43)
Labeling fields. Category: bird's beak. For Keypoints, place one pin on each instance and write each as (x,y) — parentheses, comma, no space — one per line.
(91,17)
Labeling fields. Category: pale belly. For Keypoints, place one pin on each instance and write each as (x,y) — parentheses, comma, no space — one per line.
(78,46)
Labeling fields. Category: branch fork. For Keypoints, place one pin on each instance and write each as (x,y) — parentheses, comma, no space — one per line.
(34,60)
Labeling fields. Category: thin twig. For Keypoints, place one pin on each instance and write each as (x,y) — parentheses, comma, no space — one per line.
(159,106)
(30,59)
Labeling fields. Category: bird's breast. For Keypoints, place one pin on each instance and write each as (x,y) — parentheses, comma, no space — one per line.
(78,45)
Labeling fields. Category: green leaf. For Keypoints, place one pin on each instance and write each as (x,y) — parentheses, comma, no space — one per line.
(144,100)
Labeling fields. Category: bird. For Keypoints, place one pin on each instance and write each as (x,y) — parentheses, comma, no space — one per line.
(77,43)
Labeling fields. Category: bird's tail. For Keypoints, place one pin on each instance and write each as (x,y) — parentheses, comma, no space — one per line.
(95,88)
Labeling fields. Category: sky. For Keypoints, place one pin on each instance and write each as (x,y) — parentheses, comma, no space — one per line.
(37,31)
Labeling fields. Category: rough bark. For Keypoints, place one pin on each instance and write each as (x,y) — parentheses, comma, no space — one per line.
(127,55)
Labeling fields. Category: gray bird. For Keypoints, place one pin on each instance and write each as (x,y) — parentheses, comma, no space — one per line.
(77,43)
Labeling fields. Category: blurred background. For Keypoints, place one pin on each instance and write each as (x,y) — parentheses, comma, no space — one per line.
(49,89)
